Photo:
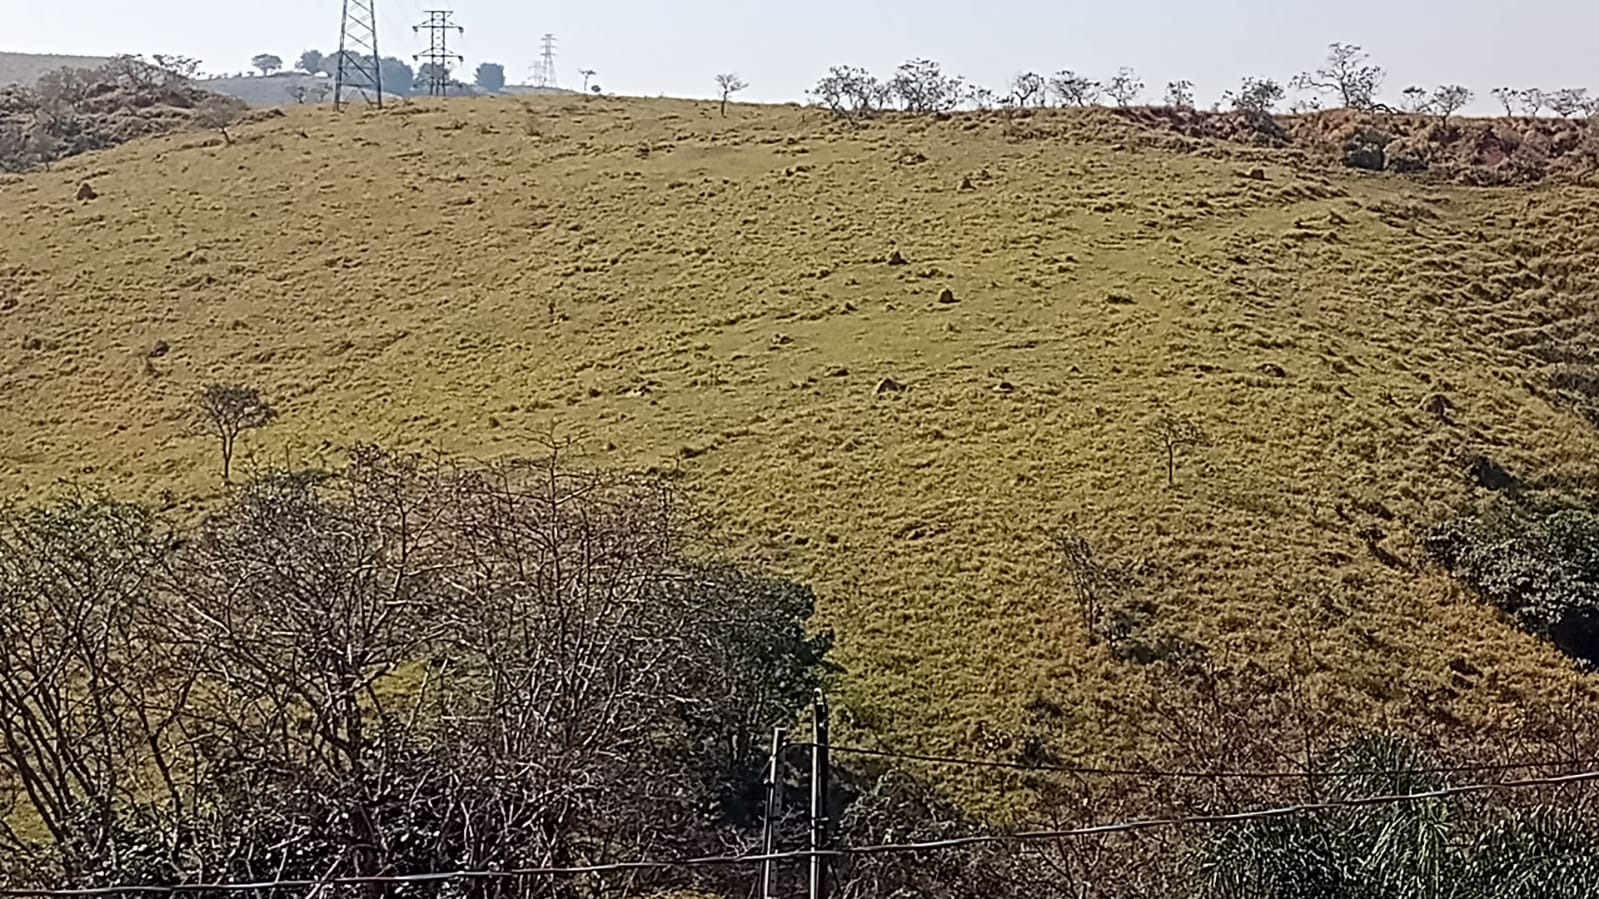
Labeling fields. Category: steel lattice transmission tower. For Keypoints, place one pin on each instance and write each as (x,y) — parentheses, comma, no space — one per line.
(437,58)
(358,67)
(544,70)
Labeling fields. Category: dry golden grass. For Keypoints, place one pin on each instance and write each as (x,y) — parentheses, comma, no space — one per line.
(711,295)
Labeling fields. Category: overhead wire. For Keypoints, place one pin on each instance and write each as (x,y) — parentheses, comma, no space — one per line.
(1127,826)
(1190,773)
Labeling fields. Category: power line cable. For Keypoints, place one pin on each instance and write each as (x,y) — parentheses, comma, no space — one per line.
(873,849)
(1160,773)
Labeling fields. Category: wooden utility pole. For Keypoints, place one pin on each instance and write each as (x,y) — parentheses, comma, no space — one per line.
(768,834)
(819,791)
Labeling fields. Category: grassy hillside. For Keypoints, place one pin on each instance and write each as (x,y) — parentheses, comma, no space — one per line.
(713,296)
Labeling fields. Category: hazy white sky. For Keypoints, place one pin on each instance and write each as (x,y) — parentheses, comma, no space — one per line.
(675,47)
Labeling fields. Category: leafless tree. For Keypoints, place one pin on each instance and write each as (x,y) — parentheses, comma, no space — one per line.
(1092,583)
(1180,94)
(922,87)
(62,91)
(1449,99)
(1415,98)
(1124,87)
(90,696)
(587,74)
(1508,96)
(1029,89)
(228,410)
(729,84)
(1346,75)
(1257,96)
(1073,89)
(1533,101)
(1172,431)
(174,69)
(851,92)
(432,665)
(1568,101)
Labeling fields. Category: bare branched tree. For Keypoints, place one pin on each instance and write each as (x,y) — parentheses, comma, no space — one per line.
(1172,431)
(90,693)
(1533,101)
(1124,87)
(922,87)
(430,665)
(729,84)
(228,410)
(1090,582)
(1508,97)
(851,92)
(1029,89)
(1257,96)
(1180,94)
(1073,89)
(1568,101)
(1346,75)
(1414,98)
(1449,99)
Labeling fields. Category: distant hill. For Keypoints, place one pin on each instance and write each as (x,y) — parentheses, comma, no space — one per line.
(270,90)
(25,68)
(530,90)
(275,90)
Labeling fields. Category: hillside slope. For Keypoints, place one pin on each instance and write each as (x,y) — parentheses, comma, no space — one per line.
(26,68)
(713,296)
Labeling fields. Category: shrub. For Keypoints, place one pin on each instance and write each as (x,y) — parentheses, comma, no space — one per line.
(1073,89)
(1255,96)
(1124,87)
(1400,850)
(1539,566)
(922,87)
(851,92)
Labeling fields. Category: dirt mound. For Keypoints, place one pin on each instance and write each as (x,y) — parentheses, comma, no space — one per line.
(1257,129)
(1461,151)
(72,111)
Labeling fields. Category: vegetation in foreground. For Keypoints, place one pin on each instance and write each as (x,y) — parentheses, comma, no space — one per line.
(399,667)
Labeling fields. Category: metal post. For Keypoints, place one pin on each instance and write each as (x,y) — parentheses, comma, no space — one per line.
(768,834)
(819,791)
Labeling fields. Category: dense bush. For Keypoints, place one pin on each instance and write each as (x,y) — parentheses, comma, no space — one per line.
(1426,849)
(1541,566)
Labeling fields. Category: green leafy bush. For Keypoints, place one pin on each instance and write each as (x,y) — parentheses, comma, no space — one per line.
(1540,566)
